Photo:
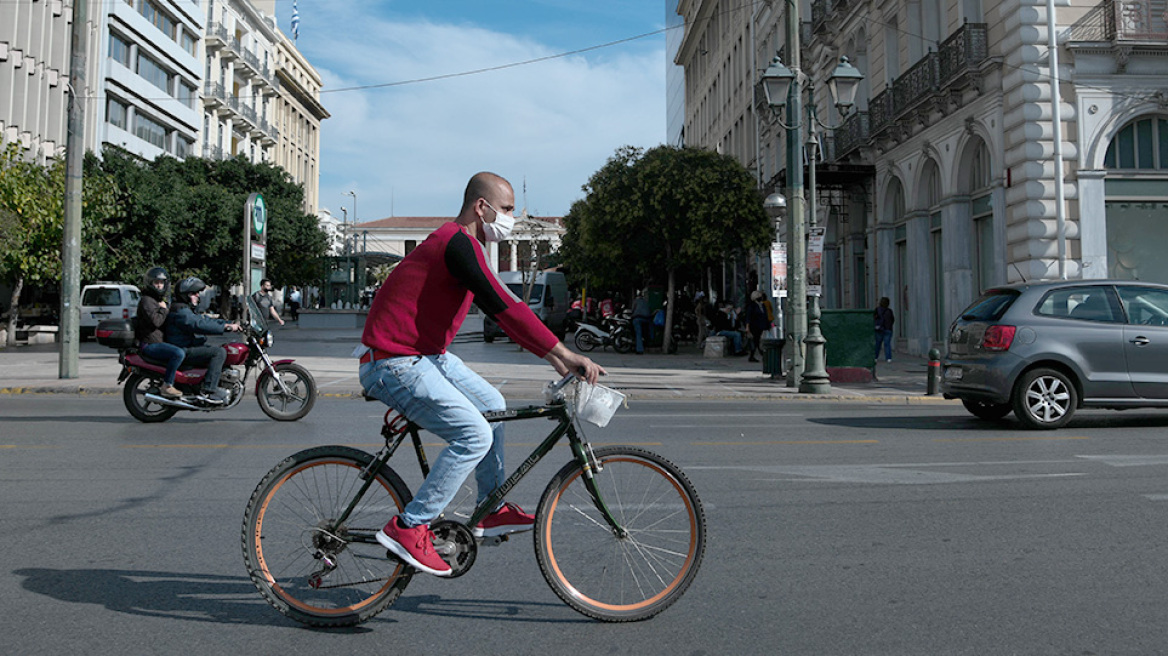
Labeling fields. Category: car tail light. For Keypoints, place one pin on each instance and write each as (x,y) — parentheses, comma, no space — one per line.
(125,313)
(998,338)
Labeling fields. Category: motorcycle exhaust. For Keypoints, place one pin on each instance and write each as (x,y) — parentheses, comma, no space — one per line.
(174,403)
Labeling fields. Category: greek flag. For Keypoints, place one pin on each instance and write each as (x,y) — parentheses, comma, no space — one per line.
(295,21)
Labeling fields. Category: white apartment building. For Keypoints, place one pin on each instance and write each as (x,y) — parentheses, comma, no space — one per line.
(298,113)
(944,182)
(142,76)
(239,92)
(34,73)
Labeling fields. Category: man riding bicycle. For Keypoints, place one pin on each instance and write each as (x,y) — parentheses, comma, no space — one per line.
(414,318)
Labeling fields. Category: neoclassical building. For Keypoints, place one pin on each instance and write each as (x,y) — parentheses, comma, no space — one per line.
(944,182)
(398,235)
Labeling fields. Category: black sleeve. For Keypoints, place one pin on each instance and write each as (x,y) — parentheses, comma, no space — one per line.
(463,262)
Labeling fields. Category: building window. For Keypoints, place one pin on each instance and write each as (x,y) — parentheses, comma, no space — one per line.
(153,72)
(1141,144)
(189,43)
(119,50)
(981,211)
(116,113)
(158,18)
(149,130)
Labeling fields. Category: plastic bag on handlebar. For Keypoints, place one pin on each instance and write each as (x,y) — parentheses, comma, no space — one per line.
(596,404)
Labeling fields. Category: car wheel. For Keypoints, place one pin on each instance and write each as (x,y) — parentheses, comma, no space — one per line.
(1044,399)
(987,409)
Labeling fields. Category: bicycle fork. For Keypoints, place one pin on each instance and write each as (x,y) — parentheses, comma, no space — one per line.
(590,466)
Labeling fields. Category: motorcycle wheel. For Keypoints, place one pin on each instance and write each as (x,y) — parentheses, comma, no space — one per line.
(134,396)
(585,341)
(297,402)
(623,341)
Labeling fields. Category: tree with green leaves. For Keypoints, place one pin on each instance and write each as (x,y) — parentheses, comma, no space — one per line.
(647,213)
(32,215)
(187,216)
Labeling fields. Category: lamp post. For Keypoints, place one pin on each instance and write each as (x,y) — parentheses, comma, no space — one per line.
(810,374)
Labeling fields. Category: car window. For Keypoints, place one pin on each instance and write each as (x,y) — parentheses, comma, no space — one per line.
(1082,303)
(991,305)
(102,296)
(1145,305)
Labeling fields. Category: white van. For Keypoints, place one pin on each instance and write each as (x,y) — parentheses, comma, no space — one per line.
(106,300)
(549,300)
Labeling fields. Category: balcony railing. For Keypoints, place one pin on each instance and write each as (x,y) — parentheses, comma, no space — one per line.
(1124,20)
(851,135)
(962,53)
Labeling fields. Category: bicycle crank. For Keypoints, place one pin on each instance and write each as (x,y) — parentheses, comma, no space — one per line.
(456,545)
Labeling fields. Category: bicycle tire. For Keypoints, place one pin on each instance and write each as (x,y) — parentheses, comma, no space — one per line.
(611,578)
(282,538)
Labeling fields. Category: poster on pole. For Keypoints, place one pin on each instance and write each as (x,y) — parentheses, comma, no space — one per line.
(815,237)
(778,270)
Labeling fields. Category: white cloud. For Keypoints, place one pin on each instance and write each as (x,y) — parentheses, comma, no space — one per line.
(414,146)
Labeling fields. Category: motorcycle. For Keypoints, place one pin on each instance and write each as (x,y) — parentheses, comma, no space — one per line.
(286,391)
(617,332)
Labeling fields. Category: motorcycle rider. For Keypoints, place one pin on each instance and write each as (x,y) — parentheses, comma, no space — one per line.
(186,329)
(152,312)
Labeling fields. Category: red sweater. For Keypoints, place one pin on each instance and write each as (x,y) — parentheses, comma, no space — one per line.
(424,301)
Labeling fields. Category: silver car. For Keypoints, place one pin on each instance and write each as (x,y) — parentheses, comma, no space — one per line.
(1045,349)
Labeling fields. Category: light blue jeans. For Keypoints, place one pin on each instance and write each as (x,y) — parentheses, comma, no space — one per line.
(442,395)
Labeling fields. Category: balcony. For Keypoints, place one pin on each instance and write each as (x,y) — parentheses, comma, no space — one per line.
(822,11)
(850,136)
(1131,22)
(956,64)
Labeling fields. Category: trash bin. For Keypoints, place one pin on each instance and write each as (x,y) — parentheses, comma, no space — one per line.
(772,356)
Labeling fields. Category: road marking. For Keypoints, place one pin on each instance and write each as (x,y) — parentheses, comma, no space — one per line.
(1156,497)
(787,442)
(1006,439)
(1129,461)
(882,474)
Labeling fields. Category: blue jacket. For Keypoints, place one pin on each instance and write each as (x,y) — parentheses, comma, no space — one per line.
(185,329)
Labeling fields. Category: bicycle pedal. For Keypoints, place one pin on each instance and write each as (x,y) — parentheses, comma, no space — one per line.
(493,540)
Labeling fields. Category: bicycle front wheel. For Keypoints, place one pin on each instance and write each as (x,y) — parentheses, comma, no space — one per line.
(648,566)
(310,567)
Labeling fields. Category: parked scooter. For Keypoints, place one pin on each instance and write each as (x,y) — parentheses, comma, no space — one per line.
(615,331)
(285,391)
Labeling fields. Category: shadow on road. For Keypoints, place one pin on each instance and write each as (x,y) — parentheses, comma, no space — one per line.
(172,595)
(234,600)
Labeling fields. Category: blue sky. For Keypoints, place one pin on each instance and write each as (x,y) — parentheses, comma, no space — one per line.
(408,149)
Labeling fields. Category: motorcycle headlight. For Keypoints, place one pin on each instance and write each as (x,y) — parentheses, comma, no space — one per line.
(268,340)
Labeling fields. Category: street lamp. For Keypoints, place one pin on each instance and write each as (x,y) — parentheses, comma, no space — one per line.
(777,80)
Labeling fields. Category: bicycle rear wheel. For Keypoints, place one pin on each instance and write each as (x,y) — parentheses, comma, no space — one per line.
(310,569)
(621,578)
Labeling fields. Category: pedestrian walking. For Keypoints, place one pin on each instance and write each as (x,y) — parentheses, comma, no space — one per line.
(884,319)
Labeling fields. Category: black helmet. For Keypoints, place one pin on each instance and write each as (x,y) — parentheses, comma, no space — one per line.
(152,276)
(190,286)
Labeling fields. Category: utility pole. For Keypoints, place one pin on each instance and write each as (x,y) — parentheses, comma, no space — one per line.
(796,231)
(69,330)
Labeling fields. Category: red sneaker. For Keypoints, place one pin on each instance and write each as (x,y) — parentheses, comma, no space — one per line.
(508,519)
(413,545)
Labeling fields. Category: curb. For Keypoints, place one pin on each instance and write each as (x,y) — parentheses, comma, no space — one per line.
(885,399)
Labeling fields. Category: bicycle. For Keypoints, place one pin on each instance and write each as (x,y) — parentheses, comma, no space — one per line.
(619,532)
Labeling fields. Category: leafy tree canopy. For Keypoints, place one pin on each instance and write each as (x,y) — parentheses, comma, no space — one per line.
(648,214)
(187,215)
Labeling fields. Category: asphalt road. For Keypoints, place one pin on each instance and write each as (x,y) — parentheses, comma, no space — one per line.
(833,529)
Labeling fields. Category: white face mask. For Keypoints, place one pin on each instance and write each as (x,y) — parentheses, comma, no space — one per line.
(500,228)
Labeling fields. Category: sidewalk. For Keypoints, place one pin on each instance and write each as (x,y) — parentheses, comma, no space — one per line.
(326,353)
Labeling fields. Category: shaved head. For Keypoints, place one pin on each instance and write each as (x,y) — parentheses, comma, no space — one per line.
(484,185)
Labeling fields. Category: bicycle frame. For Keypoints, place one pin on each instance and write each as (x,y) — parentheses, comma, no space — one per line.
(396,430)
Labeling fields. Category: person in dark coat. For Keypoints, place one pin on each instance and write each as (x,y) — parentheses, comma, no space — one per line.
(884,320)
(756,322)
(186,329)
(152,312)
